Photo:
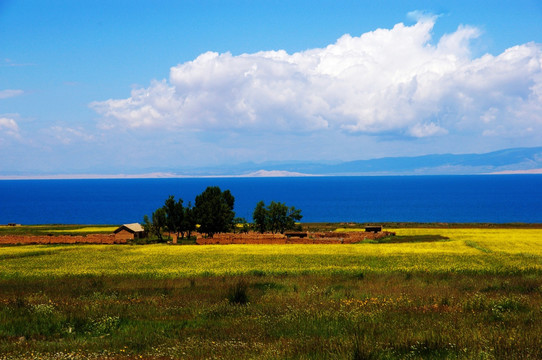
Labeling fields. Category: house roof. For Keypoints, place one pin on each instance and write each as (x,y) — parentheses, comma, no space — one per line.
(133,228)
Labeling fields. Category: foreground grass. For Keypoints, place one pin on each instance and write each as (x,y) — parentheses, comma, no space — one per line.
(393,316)
(475,295)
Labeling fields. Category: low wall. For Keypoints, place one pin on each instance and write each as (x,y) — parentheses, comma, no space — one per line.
(351,236)
(249,238)
(312,238)
(61,239)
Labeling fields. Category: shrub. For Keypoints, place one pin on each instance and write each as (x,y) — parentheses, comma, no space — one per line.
(237,293)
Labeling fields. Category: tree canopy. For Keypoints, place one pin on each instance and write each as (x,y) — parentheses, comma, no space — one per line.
(214,211)
(171,217)
(277,217)
(260,217)
(174,214)
(156,225)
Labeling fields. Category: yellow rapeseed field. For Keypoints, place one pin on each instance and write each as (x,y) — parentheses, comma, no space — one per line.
(467,250)
(510,241)
(87,230)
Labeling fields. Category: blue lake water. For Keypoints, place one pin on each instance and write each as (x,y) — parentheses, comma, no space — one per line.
(498,199)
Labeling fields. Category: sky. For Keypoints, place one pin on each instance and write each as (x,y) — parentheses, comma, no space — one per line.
(127,87)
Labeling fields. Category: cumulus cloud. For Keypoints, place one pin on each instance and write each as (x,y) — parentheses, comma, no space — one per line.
(386,81)
(423,130)
(9,127)
(7,93)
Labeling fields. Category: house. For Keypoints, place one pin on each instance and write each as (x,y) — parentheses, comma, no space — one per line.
(298,234)
(129,232)
(374,229)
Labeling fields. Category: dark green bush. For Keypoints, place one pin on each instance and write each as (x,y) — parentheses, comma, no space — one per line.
(237,293)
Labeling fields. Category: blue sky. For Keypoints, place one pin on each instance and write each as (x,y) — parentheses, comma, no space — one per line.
(141,86)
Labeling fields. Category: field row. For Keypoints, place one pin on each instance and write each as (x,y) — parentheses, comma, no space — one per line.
(465,251)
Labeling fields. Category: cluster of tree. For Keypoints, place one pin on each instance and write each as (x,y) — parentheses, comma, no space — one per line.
(173,217)
(213,212)
(277,217)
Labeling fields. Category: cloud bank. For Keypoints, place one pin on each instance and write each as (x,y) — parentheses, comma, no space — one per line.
(386,82)
(8,93)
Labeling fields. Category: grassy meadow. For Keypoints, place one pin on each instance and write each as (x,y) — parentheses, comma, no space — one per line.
(449,293)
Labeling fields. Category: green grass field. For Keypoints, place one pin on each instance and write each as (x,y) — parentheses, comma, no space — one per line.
(474,293)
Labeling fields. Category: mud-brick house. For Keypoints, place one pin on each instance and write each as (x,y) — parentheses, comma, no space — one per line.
(129,232)
(373,228)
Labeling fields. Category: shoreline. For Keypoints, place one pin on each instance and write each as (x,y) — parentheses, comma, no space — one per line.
(256,174)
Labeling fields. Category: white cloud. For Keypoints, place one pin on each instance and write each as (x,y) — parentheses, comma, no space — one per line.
(9,127)
(67,135)
(428,129)
(385,81)
(8,93)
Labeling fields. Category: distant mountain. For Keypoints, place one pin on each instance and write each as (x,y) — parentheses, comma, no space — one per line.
(508,161)
(497,161)
(528,160)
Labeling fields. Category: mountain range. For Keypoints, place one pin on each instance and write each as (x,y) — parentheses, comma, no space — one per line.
(508,161)
(517,160)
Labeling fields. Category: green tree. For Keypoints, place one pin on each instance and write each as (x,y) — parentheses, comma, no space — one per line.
(189,221)
(277,217)
(155,226)
(174,215)
(147,225)
(159,222)
(214,211)
(260,217)
(282,217)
